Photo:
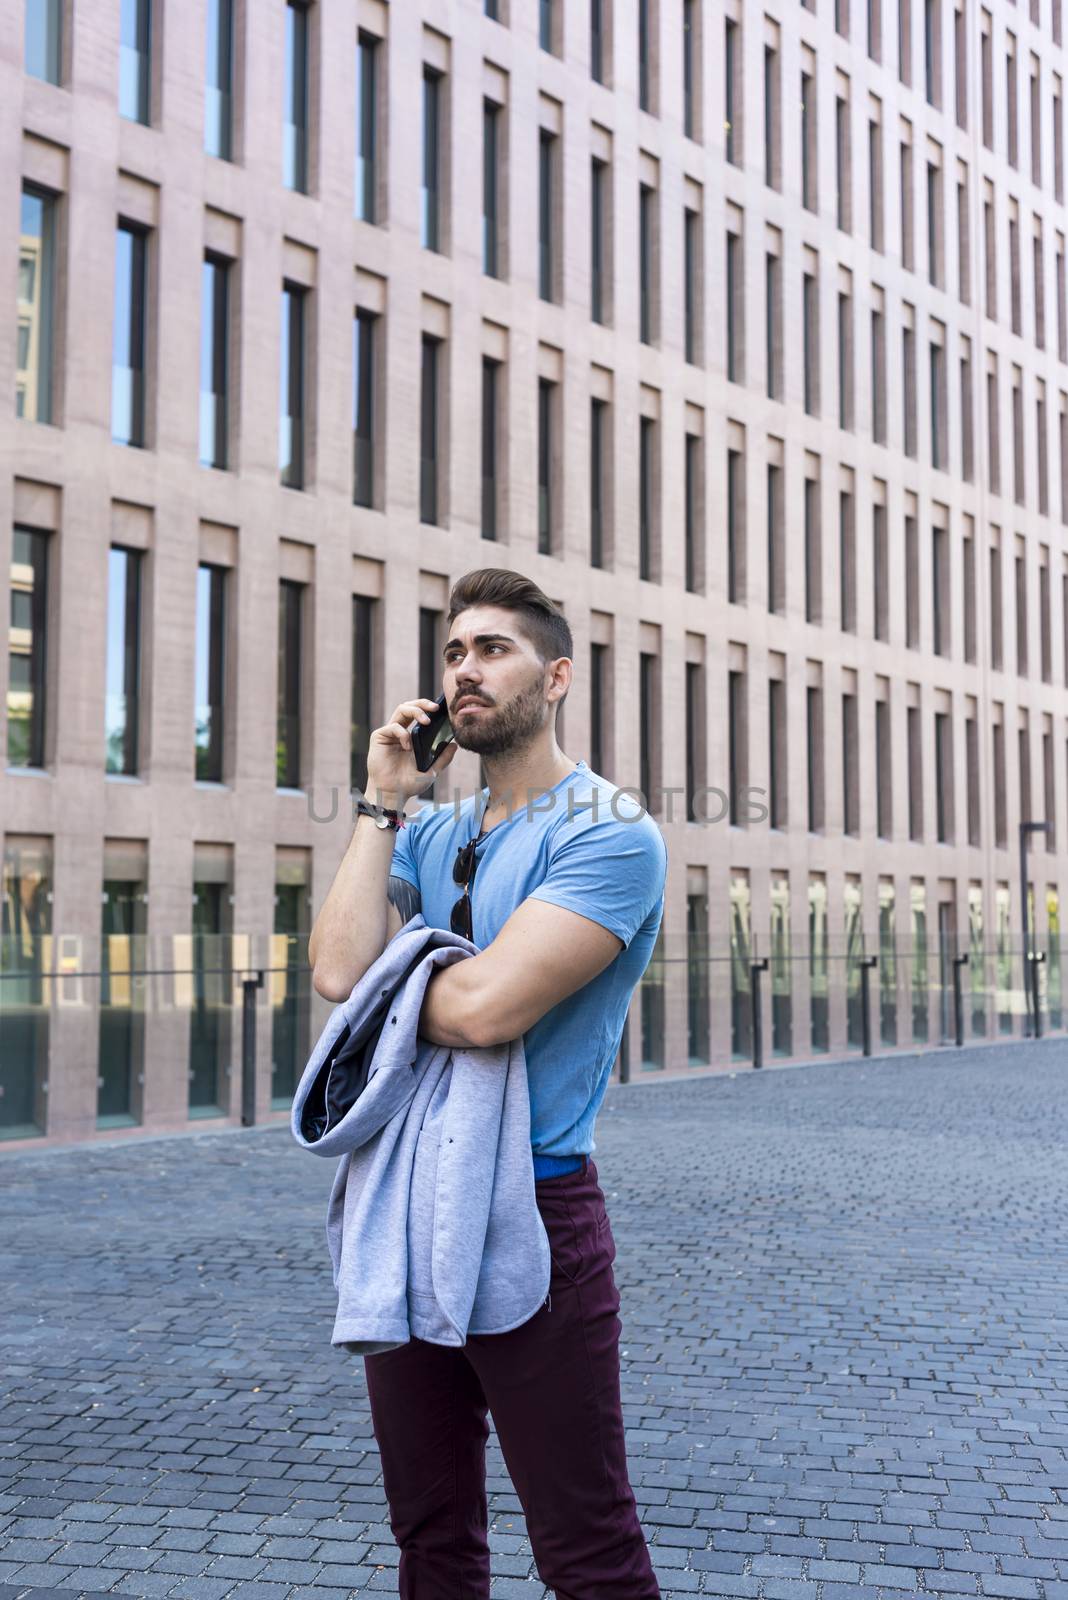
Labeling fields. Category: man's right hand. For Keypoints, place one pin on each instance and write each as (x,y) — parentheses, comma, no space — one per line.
(392,775)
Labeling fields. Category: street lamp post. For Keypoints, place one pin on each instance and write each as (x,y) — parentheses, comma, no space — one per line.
(1030,959)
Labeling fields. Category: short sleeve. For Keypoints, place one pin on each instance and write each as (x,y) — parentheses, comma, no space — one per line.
(403,864)
(612,872)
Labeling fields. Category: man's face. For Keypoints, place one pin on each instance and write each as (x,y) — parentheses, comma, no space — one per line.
(490,663)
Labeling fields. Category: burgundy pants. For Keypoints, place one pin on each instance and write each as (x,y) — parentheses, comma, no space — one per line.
(552,1386)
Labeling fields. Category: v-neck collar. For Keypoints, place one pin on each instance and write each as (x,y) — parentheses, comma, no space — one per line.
(478,836)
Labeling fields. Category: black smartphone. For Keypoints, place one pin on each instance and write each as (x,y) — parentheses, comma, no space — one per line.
(430,738)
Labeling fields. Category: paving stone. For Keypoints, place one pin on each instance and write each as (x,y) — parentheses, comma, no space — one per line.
(840,1311)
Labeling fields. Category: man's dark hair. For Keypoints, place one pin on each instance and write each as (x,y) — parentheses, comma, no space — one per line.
(539,617)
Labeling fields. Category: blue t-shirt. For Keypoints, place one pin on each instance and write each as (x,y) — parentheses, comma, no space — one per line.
(574,848)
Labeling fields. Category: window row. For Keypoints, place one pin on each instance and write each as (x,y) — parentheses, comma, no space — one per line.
(812,976)
(782,103)
(937,808)
(166,1004)
(165,1008)
(734,799)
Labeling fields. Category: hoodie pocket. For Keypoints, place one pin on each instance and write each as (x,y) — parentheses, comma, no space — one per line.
(422,1204)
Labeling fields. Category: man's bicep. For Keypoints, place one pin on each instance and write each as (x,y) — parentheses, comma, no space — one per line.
(542,954)
(404,902)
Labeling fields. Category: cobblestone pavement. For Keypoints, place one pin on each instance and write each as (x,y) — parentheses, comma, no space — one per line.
(845,1296)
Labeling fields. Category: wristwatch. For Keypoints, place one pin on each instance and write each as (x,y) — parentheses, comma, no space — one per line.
(383,817)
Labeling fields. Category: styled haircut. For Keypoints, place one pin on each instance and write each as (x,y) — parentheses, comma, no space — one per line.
(539,618)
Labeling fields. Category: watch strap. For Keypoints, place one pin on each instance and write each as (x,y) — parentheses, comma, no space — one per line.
(396,819)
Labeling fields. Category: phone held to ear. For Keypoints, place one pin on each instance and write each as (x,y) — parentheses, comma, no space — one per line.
(430,738)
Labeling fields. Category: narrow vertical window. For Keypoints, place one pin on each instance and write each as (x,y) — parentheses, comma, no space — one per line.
(813,552)
(428,431)
(431,193)
(646,496)
(971,761)
(291,442)
(690,68)
(128,337)
(939,407)
(135,64)
(598,469)
(546,219)
(776,552)
(644,64)
(875,184)
(932,50)
(364,684)
(912,584)
(850,766)
(491,121)
(969,597)
(773,324)
(943,778)
(290,646)
(772,152)
(219,81)
(210,673)
(691,239)
(44,40)
(597,40)
(847,562)
(27,647)
(814,741)
(364,406)
(878,377)
(880,573)
(777,754)
(367,48)
(842,163)
(734,308)
(214,361)
(908,362)
(546,486)
(737,764)
(35,306)
(646,246)
(123,660)
(735,527)
(940,596)
(810,342)
(967,417)
(883,781)
(732,91)
(547,24)
(598,240)
(648,729)
(693,521)
(295,130)
(915,767)
(598,705)
(960,29)
(490,385)
(845,360)
(809,145)
(997,633)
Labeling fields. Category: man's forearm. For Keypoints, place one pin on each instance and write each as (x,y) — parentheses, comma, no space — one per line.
(450,1011)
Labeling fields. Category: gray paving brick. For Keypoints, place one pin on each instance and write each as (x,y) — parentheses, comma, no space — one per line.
(827,1333)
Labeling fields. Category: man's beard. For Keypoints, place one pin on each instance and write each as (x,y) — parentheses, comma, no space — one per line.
(503,728)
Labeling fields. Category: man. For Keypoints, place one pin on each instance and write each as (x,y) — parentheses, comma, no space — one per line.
(563,896)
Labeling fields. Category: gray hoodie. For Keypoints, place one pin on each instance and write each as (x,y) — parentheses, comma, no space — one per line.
(432,1225)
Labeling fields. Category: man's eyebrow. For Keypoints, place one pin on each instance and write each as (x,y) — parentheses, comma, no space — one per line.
(480,638)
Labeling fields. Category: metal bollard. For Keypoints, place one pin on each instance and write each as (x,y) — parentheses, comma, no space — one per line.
(866,964)
(248,1048)
(958,998)
(1036,957)
(755,969)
